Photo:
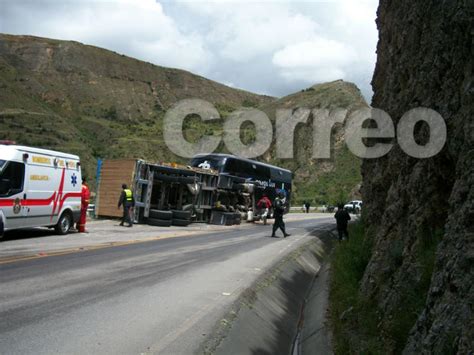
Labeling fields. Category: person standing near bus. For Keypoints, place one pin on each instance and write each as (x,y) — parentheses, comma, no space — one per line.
(278,211)
(128,202)
(342,218)
(307,206)
(85,197)
(264,204)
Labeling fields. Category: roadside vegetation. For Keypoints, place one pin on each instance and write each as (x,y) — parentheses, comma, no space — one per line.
(334,186)
(357,324)
(116,111)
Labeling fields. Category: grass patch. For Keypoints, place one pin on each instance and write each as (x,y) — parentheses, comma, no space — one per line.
(347,310)
(357,323)
(334,186)
(413,296)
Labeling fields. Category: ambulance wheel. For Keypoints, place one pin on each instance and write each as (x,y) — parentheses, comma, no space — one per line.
(64,224)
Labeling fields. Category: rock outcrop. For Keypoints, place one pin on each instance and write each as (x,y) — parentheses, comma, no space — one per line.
(425,59)
(321,181)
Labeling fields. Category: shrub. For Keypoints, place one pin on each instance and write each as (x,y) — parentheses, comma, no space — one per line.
(358,325)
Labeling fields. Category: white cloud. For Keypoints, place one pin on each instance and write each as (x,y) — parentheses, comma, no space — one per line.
(314,61)
(254,31)
(300,43)
(241,31)
(266,46)
(138,28)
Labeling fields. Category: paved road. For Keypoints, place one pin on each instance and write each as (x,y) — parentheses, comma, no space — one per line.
(161,296)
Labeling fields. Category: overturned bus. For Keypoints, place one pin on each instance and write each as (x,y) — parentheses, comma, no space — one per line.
(215,188)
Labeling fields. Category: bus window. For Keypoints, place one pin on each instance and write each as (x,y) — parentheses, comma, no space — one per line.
(238,167)
(11,178)
(206,163)
(247,169)
(281,175)
(263,172)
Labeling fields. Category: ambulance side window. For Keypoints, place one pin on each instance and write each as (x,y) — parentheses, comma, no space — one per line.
(12,178)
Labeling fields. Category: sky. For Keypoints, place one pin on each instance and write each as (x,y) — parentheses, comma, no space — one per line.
(267,47)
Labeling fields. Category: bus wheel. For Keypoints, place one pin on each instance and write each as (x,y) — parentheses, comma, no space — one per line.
(64,224)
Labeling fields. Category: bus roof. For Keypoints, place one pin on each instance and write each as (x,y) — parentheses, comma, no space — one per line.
(221,155)
(11,149)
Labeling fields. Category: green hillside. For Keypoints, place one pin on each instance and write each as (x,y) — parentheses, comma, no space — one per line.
(93,102)
(321,181)
(99,104)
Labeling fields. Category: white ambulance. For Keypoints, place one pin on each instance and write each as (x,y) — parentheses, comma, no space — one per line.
(38,187)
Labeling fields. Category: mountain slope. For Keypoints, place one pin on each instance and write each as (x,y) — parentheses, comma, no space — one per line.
(321,180)
(96,103)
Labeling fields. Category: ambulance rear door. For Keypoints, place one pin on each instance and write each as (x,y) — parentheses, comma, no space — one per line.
(43,188)
(54,185)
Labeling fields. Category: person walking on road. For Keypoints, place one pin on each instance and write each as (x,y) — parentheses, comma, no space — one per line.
(278,211)
(128,202)
(264,204)
(307,206)
(85,197)
(342,218)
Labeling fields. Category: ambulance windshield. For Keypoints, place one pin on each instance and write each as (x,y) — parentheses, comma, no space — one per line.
(12,175)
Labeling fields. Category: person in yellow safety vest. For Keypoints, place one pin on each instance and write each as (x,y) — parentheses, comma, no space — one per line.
(128,202)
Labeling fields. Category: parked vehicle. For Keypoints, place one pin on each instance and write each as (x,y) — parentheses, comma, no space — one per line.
(39,187)
(354,206)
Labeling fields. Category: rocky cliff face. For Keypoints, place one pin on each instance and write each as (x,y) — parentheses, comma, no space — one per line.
(421,273)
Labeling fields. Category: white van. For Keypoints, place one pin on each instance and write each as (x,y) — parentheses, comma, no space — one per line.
(354,206)
(39,187)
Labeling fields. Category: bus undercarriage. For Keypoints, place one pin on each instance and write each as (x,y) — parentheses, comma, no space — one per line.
(172,194)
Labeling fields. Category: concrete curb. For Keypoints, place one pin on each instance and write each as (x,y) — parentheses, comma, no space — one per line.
(314,336)
(268,317)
